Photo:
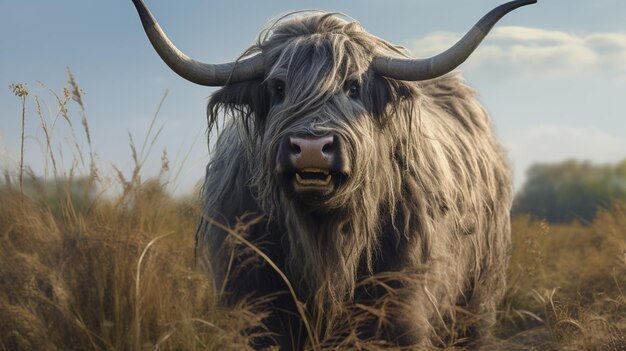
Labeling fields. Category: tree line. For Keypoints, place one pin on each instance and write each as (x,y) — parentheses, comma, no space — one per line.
(570,190)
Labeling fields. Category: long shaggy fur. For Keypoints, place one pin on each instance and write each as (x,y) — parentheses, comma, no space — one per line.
(426,201)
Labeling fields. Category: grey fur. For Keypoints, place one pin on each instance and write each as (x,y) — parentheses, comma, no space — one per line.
(425,206)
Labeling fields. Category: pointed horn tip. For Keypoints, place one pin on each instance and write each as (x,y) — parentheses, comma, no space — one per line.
(147,20)
(521,3)
(512,5)
(490,19)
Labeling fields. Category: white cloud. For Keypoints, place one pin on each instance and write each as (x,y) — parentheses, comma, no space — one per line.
(554,143)
(537,51)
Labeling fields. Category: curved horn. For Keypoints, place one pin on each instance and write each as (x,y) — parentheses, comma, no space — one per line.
(436,66)
(190,69)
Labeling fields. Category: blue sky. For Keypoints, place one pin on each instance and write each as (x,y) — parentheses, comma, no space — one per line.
(552,75)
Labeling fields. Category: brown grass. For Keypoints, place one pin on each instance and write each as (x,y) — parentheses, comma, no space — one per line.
(80,270)
(566,284)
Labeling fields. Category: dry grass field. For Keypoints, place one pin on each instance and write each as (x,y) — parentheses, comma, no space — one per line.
(85,270)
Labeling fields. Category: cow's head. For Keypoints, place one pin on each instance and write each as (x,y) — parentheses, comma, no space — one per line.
(318,118)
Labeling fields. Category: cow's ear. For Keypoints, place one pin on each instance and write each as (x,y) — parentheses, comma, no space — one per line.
(387,95)
(247,100)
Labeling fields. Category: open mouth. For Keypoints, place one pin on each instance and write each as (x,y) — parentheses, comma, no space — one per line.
(313,178)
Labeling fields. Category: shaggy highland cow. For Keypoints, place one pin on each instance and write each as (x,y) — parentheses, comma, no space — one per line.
(369,198)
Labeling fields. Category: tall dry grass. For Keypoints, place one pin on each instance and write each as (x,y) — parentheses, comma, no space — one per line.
(117,277)
(81,269)
(567,284)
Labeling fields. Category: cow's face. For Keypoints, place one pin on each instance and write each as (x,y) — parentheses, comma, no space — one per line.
(319,119)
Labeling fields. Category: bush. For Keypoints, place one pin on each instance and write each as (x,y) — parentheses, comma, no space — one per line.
(570,190)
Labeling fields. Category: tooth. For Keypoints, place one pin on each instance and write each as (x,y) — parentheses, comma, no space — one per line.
(313,182)
(316,170)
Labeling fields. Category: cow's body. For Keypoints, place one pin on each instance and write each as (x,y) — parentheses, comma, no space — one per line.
(447,242)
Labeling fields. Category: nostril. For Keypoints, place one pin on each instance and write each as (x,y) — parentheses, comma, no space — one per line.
(328,148)
(294,147)
(329,145)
